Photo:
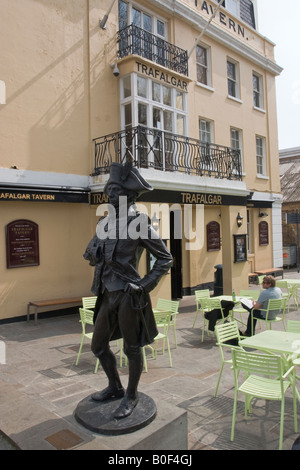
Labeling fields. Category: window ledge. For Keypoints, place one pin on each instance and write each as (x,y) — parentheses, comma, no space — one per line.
(261,110)
(206,87)
(233,98)
(262,177)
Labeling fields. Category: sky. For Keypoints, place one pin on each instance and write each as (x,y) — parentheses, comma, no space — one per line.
(279,21)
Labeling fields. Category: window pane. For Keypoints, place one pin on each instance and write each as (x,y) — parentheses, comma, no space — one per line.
(180,125)
(179,100)
(160,28)
(127,86)
(167,95)
(142,114)
(168,121)
(231,88)
(231,70)
(156,118)
(147,23)
(122,14)
(156,92)
(201,74)
(136,17)
(128,115)
(142,87)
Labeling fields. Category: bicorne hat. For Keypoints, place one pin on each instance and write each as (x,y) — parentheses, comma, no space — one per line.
(128,177)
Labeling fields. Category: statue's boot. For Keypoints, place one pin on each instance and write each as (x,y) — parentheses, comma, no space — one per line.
(114,389)
(130,400)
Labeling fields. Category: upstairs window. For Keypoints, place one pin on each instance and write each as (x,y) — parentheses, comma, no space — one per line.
(257,91)
(203,65)
(205,131)
(261,156)
(233,79)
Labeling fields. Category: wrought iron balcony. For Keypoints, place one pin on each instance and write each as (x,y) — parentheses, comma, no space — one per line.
(152,148)
(134,40)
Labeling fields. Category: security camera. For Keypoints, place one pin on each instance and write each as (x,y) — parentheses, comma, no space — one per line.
(116,71)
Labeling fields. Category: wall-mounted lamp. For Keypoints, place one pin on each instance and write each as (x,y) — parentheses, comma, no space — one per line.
(239,220)
(155,222)
(115,68)
(263,214)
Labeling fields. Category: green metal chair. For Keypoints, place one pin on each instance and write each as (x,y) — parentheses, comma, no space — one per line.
(86,318)
(199,295)
(207,305)
(287,292)
(293,326)
(259,369)
(239,309)
(278,305)
(226,332)
(163,321)
(260,280)
(169,306)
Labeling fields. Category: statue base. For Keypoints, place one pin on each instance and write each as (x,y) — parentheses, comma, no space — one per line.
(99,416)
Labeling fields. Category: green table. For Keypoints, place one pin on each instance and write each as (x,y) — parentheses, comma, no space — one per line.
(281,342)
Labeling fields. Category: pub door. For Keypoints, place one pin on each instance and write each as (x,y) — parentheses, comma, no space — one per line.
(176,251)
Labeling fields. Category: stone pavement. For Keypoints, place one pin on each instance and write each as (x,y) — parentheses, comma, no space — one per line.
(40,387)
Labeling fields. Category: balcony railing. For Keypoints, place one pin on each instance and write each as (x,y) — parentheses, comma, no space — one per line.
(153,148)
(134,40)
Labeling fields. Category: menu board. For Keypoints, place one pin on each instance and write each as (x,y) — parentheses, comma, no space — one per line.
(22,244)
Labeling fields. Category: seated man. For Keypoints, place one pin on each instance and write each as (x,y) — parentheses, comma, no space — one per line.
(270,292)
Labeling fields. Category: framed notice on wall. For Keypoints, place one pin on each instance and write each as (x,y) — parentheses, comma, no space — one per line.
(240,248)
(22,244)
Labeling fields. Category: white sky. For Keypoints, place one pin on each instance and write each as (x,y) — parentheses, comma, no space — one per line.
(278,20)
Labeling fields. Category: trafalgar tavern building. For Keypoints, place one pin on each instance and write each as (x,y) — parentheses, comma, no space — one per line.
(182,89)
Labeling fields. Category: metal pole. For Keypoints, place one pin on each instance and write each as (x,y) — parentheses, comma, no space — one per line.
(205,29)
(105,17)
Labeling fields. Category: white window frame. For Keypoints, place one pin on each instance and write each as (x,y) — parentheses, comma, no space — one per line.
(236,142)
(207,67)
(236,80)
(208,132)
(260,151)
(155,18)
(258,92)
(233,6)
(135,99)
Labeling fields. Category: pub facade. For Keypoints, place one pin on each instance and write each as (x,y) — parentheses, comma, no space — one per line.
(185,91)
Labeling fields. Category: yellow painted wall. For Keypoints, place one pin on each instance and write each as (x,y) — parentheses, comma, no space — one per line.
(64,232)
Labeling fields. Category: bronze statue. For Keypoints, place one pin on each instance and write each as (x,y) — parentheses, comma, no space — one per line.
(123,307)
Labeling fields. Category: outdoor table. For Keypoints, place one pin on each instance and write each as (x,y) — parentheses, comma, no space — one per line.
(237,301)
(282,342)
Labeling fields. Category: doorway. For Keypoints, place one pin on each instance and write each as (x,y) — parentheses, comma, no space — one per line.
(176,270)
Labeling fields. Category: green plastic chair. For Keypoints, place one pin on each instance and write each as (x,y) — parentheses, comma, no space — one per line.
(86,318)
(259,369)
(260,280)
(239,309)
(287,292)
(170,306)
(210,304)
(163,321)
(200,294)
(293,326)
(273,304)
(226,332)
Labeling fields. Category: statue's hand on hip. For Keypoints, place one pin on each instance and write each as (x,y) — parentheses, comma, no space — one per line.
(132,288)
